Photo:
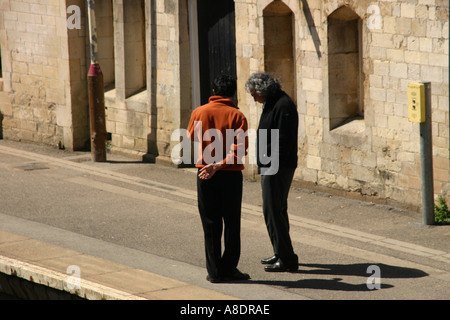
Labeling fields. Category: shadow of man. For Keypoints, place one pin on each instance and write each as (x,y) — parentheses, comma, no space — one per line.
(354,270)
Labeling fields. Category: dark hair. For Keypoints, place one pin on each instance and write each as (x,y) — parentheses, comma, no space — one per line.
(224,85)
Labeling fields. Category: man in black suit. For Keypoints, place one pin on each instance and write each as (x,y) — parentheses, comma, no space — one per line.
(277,145)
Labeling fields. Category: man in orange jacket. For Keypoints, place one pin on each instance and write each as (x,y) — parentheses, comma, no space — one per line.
(219,131)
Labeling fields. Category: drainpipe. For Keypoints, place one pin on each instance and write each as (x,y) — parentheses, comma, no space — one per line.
(96,93)
(426,161)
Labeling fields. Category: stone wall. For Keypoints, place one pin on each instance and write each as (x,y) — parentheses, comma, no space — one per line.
(141,120)
(37,73)
(126,100)
(375,152)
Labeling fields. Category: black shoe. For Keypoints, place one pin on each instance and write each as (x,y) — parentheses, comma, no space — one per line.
(279,266)
(270,260)
(236,276)
(213,280)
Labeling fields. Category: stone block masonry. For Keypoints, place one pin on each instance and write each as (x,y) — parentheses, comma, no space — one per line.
(36,71)
(346,63)
(375,152)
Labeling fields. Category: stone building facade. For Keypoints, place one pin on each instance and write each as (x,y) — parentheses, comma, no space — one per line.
(346,63)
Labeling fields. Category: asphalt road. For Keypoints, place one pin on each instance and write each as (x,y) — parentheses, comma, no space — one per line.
(145,215)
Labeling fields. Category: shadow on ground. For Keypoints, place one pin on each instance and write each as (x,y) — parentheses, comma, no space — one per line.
(362,270)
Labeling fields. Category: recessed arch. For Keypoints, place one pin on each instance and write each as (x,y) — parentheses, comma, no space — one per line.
(279,35)
(344,66)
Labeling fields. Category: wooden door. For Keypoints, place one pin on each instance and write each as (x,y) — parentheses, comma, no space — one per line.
(217,42)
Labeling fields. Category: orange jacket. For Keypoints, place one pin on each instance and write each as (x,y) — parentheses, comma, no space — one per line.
(227,142)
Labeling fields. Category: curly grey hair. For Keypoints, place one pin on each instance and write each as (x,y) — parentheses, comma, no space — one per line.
(263,84)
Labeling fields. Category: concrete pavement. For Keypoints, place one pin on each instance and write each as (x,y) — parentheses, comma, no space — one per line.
(130,230)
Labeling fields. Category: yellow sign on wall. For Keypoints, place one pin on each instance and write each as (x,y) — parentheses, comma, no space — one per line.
(416,102)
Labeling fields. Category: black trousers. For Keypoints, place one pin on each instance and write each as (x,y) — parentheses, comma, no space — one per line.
(219,204)
(275,191)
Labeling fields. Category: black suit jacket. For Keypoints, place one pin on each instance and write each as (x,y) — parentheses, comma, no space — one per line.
(279,112)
